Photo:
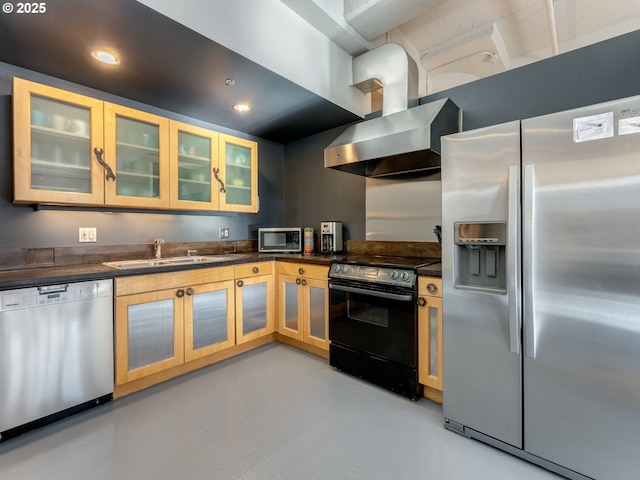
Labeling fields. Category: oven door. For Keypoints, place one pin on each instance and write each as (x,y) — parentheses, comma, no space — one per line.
(378,322)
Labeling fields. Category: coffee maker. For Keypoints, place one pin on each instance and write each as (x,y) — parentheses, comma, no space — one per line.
(331,237)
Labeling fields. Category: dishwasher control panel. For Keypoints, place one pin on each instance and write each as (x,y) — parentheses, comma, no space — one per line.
(48,295)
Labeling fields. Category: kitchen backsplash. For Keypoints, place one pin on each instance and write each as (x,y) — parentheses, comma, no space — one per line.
(17,258)
(403,209)
(14,258)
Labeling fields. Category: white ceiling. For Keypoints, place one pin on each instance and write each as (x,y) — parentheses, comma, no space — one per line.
(312,42)
(456,41)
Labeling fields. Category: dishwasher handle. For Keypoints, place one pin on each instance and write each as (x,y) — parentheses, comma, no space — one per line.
(52,289)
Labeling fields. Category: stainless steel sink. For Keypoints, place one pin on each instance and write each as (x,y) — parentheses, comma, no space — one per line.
(164,262)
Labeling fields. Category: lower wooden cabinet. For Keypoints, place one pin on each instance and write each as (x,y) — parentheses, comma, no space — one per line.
(303,303)
(166,319)
(167,324)
(255,311)
(430,336)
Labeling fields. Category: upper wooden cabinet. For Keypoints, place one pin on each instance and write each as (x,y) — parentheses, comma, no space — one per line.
(73,149)
(55,134)
(238,176)
(137,150)
(192,167)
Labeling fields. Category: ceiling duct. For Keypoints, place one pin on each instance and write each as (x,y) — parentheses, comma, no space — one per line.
(404,140)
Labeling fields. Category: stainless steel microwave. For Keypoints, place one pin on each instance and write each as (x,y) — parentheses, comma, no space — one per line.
(280,240)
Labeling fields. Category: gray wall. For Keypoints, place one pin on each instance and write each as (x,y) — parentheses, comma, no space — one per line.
(594,74)
(26,226)
(314,194)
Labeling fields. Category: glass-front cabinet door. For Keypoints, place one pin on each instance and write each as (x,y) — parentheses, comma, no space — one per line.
(238,174)
(290,308)
(137,146)
(55,134)
(430,337)
(194,155)
(149,334)
(255,315)
(316,312)
(209,319)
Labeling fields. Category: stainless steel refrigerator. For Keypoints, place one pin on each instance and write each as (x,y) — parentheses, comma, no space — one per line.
(541,288)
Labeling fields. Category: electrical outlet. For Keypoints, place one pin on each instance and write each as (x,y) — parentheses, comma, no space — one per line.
(223,232)
(87,234)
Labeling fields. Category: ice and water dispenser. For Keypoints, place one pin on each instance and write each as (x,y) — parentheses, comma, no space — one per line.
(480,256)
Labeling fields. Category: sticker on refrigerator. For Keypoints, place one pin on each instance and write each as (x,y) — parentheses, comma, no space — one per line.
(593,127)
(628,126)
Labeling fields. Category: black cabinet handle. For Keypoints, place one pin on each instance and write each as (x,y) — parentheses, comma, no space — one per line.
(216,171)
(421,302)
(304,282)
(301,271)
(240,283)
(298,282)
(255,269)
(180,293)
(110,174)
(190,291)
(432,288)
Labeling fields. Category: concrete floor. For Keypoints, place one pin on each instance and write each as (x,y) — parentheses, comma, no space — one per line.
(273,413)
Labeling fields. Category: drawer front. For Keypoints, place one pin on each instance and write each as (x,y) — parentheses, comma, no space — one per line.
(307,270)
(248,270)
(160,281)
(430,286)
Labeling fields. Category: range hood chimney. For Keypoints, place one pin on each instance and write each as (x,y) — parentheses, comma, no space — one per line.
(404,140)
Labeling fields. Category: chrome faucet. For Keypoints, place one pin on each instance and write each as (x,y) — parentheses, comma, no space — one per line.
(191,253)
(159,242)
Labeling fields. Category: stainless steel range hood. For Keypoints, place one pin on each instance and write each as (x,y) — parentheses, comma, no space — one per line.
(400,143)
(404,140)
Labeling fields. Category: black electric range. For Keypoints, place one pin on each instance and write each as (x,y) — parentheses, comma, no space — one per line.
(373,320)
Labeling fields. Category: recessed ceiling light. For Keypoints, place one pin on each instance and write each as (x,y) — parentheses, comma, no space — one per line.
(242,108)
(105,57)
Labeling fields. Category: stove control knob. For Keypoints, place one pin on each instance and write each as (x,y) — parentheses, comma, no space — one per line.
(336,268)
(404,276)
(394,275)
(345,269)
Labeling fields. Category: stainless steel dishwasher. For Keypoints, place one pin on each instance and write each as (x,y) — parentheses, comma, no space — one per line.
(56,352)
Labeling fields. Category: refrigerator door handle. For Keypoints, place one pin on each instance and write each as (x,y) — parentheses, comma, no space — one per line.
(513,256)
(529,318)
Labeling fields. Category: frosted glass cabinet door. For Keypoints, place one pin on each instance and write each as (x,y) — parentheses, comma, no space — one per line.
(138,152)
(194,156)
(430,342)
(55,133)
(209,319)
(238,177)
(149,334)
(254,308)
(317,308)
(290,307)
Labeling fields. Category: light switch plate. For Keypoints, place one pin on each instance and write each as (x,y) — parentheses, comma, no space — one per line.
(223,232)
(87,234)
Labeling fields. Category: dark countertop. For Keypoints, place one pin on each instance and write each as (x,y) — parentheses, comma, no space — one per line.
(32,277)
(37,276)
(433,270)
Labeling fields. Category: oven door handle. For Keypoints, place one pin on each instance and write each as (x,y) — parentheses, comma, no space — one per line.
(403,297)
